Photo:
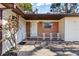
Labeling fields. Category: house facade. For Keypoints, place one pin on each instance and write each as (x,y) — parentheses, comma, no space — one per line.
(38,25)
(67,27)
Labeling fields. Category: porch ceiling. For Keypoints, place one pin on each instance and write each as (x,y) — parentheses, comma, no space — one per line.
(43,16)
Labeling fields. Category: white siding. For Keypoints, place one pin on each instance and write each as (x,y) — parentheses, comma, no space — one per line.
(62,27)
(21,34)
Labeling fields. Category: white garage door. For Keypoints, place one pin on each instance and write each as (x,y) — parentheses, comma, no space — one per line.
(72,30)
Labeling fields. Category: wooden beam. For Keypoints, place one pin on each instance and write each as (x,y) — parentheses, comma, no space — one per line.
(8,5)
(3,8)
(18,11)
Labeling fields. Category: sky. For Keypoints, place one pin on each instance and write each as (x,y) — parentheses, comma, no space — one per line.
(42,7)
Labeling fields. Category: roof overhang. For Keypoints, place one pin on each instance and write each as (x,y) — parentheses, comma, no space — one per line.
(44,16)
(47,16)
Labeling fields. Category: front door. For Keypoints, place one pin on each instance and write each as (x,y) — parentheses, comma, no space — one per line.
(33,29)
(28,29)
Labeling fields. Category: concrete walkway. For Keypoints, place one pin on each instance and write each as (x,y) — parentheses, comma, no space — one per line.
(30,50)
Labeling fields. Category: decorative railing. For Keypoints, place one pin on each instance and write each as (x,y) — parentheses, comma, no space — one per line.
(43,36)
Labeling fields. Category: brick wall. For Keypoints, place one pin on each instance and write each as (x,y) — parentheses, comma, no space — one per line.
(53,29)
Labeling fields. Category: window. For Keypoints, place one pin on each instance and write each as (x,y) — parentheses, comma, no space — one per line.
(47,24)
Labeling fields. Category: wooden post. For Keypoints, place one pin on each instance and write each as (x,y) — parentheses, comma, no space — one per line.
(43,36)
(58,36)
(0,31)
(50,37)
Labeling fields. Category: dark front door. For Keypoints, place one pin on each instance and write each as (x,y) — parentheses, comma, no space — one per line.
(0,31)
(28,29)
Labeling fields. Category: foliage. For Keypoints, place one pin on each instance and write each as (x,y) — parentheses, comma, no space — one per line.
(10,53)
(64,8)
(26,6)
